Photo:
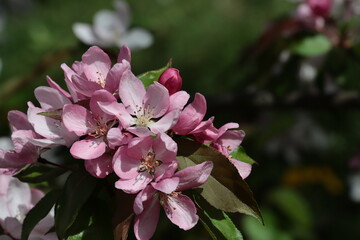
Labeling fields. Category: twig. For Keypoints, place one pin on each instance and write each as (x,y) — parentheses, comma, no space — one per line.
(42,160)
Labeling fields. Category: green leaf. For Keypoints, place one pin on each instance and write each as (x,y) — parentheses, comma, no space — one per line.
(312,46)
(93,222)
(149,77)
(38,212)
(78,236)
(217,223)
(83,219)
(37,173)
(224,189)
(78,188)
(240,154)
(293,205)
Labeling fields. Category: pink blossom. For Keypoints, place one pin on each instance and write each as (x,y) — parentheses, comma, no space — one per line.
(171,79)
(24,151)
(227,141)
(178,207)
(190,119)
(94,73)
(143,111)
(93,124)
(16,199)
(51,128)
(143,160)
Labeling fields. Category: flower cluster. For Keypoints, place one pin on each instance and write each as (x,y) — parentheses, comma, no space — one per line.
(115,124)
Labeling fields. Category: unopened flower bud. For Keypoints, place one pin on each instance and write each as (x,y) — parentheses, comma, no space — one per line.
(320,8)
(171,79)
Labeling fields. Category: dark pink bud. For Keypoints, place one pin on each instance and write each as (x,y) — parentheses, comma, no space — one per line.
(171,79)
(320,8)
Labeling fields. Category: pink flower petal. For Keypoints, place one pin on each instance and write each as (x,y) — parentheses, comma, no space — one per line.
(56,86)
(231,140)
(208,135)
(226,127)
(100,167)
(244,169)
(100,96)
(18,194)
(11,161)
(203,126)
(181,211)
(140,147)
(78,119)
(156,99)
(191,116)
(194,176)
(167,185)
(45,126)
(165,148)
(19,121)
(20,140)
(46,143)
(165,170)
(69,73)
(165,123)
(114,76)
(178,100)
(147,194)
(13,227)
(118,110)
(89,148)
(162,173)
(96,64)
(67,136)
(131,92)
(116,138)
(140,131)
(4,185)
(125,166)
(124,54)
(134,185)
(85,87)
(50,99)
(146,222)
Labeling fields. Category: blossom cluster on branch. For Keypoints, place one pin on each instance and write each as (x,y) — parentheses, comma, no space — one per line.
(114,123)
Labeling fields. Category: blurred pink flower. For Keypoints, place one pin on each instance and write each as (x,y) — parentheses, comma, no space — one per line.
(320,8)
(111,29)
(16,199)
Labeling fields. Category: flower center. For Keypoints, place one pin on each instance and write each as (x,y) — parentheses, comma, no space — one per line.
(101,128)
(166,198)
(149,164)
(143,115)
(100,79)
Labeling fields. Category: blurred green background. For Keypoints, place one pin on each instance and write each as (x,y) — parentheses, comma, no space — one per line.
(298,105)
